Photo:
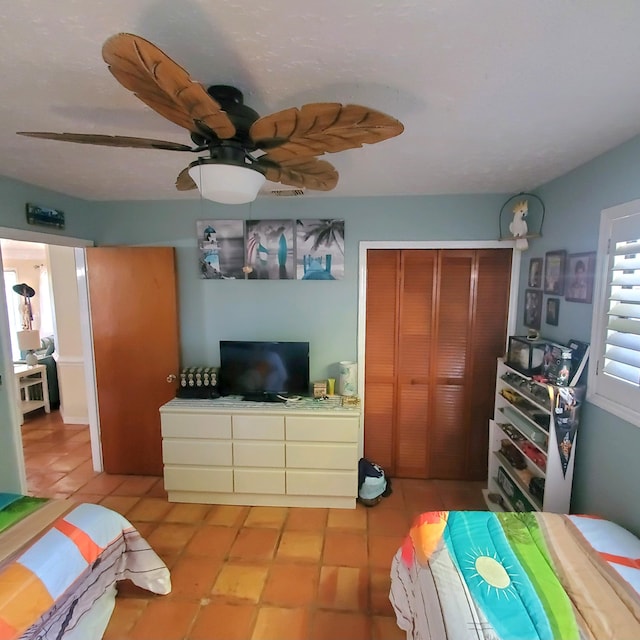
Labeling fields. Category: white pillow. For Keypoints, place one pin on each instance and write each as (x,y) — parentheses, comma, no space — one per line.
(608,537)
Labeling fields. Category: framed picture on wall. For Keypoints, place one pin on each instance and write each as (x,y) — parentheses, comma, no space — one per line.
(553,311)
(269,249)
(320,249)
(580,270)
(221,247)
(532,308)
(554,265)
(535,273)
(45,216)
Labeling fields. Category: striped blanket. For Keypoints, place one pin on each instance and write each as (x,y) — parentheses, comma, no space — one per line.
(521,576)
(60,559)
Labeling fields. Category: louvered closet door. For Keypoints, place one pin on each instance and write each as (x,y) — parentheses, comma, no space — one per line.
(488,336)
(414,362)
(380,349)
(453,309)
(436,322)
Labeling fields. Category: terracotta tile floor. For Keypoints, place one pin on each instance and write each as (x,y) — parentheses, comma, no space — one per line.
(251,573)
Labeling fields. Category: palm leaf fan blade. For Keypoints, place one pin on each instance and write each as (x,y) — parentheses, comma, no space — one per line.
(133,75)
(295,129)
(309,173)
(154,98)
(276,126)
(164,85)
(184,182)
(322,128)
(107,141)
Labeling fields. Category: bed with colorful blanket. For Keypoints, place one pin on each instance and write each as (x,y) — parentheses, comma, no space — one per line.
(59,564)
(525,576)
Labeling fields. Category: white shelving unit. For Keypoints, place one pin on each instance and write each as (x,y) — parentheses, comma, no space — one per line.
(524,407)
(33,392)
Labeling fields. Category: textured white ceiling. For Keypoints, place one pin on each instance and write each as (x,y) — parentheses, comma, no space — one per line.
(495,95)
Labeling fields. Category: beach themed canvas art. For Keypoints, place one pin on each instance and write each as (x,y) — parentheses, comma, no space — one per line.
(221,249)
(320,249)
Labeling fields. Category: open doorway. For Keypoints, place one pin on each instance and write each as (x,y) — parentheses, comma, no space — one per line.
(26,267)
(47,265)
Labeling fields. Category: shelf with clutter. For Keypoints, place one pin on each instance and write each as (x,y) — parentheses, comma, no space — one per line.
(533,433)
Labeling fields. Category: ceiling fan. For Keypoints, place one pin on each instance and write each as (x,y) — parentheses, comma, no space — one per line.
(243,149)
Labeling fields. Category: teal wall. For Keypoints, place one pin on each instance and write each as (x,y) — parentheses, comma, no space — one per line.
(607,464)
(320,312)
(9,473)
(325,313)
(14,195)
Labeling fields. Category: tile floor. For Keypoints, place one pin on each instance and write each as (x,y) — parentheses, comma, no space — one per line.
(245,573)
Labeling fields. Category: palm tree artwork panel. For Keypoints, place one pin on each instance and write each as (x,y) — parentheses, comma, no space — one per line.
(320,249)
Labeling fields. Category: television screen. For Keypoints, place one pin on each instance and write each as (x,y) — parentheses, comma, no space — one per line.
(257,369)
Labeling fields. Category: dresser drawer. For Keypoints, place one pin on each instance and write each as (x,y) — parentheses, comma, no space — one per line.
(258,481)
(197,479)
(195,425)
(197,452)
(322,483)
(258,454)
(258,427)
(318,455)
(321,429)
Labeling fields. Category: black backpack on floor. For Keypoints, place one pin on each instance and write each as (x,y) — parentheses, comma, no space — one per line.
(373,485)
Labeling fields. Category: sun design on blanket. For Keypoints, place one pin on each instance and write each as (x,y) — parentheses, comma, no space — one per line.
(491,572)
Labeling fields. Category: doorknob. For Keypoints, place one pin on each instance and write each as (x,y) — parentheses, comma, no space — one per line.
(171,377)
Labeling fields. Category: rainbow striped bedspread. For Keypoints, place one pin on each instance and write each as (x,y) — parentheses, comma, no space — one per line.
(524,576)
(62,558)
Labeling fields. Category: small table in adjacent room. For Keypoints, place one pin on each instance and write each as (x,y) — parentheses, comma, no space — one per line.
(33,391)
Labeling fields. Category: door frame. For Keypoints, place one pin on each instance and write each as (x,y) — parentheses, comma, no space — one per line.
(78,244)
(365,245)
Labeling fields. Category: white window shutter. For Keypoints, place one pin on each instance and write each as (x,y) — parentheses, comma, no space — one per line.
(614,381)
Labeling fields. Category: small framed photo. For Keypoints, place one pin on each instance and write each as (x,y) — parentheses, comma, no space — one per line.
(44,216)
(580,270)
(532,308)
(535,273)
(554,265)
(553,311)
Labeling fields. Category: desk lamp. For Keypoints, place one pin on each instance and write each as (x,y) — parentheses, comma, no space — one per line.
(29,340)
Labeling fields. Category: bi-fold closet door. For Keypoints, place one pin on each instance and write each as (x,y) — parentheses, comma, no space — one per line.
(436,321)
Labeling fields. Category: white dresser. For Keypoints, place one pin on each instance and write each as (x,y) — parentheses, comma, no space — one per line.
(227,451)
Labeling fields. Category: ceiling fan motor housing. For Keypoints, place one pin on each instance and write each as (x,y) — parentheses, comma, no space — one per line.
(232,101)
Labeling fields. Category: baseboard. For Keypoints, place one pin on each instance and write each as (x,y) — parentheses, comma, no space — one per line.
(73,419)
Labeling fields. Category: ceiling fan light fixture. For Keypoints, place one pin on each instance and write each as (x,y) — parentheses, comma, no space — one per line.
(226,183)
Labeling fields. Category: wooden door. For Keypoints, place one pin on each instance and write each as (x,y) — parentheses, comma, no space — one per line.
(436,323)
(134,321)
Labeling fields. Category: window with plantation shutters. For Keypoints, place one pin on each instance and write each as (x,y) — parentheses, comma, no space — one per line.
(614,382)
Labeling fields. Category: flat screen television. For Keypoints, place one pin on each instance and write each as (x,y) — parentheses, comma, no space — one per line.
(264,370)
